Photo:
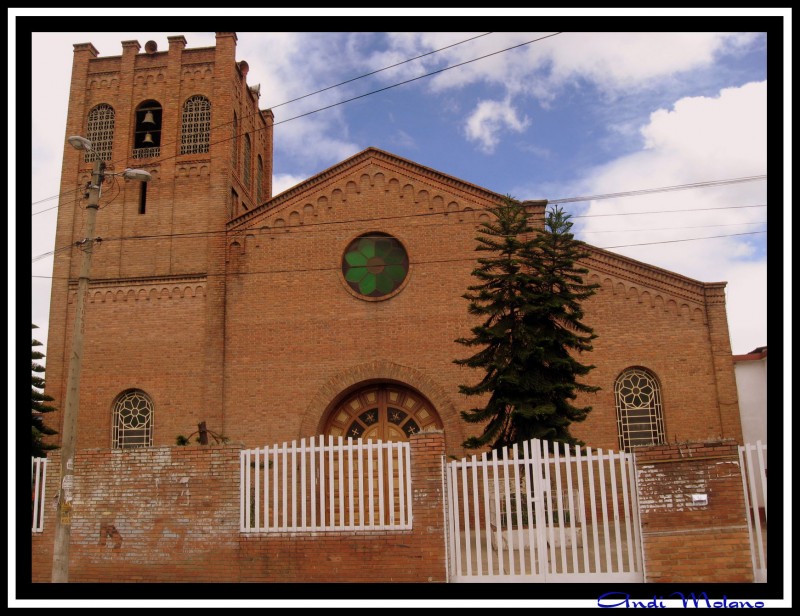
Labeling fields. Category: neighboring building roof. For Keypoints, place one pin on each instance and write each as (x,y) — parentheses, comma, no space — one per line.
(755,354)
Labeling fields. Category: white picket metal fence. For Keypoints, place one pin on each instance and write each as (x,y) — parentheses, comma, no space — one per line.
(560,515)
(753,463)
(326,484)
(38,479)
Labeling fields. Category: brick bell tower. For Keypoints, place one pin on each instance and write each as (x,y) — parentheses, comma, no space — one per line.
(152,363)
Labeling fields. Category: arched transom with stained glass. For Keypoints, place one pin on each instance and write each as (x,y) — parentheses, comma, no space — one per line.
(382,412)
(375,265)
(640,419)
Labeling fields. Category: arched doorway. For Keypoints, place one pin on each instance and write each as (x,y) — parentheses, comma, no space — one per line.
(383,411)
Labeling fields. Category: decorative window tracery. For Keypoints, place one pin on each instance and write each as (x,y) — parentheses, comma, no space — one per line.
(196,125)
(100,132)
(132,422)
(640,419)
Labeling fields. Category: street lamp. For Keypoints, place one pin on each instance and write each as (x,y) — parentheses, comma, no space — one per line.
(60,571)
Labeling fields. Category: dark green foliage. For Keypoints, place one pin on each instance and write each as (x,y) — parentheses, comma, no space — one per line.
(528,295)
(38,406)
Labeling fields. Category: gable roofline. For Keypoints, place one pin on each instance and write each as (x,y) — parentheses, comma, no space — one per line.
(353,161)
(638,272)
(600,260)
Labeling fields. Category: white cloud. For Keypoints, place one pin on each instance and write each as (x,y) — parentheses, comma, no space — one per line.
(698,139)
(489,119)
(615,61)
(285,181)
(719,129)
(619,60)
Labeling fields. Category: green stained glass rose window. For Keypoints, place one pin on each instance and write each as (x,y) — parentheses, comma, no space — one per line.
(375,265)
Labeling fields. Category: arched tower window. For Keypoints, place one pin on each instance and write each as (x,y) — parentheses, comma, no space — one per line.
(147,131)
(196,125)
(100,132)
(640,418)
(247,162)
(259,180)
(132,421)
(235,152)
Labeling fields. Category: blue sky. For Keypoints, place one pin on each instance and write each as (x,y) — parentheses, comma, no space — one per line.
(571,114)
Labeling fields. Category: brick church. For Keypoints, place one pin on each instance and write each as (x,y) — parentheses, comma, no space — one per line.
(331,308)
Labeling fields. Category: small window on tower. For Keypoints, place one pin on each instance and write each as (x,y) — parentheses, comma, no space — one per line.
(101,133)
(196,125)
(147,134)
(143,197)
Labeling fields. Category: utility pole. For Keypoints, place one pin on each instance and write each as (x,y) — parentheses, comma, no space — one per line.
(60,572)
(63,517)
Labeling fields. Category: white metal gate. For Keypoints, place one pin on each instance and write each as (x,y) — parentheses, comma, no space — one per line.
(752,461)
(542,515)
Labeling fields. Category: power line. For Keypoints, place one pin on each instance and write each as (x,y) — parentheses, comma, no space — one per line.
(734,224)
(302,115)
(690,239)
(304,228)
(432,261)
(645,191)
(385,68)
(283,231)
(695,209)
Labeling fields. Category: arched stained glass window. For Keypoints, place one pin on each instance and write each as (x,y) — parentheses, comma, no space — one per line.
(196,125)
(132,421)
(101,133)
(640,418)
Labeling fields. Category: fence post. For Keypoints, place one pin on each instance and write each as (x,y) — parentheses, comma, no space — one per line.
(427,497)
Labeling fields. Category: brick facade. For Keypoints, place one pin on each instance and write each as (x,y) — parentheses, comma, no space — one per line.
(684,541)
(238,314)
(171,514)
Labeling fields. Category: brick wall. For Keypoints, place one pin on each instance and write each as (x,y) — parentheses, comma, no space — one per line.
(148,515)
(172,515)
(683,542)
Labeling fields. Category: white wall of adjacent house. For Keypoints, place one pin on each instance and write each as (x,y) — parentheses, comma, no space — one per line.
(751,385)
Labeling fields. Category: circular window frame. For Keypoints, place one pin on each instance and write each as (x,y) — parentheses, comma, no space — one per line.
(389,295)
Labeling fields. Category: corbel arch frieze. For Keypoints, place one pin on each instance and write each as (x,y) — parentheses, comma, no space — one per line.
(651,298)
(133,291)
(332,192)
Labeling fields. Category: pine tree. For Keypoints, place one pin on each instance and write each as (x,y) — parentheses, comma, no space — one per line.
(529,296)
(38,406)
